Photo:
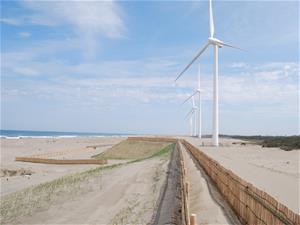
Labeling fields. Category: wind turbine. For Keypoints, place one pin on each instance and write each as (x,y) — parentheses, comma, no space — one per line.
(216,43)
(192,116)
(199,106)
(198,91)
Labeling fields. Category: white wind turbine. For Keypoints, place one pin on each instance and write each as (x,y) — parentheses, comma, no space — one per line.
(192,116)
(216,43)
(199,91)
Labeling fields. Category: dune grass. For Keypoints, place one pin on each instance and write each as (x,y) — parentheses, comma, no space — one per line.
(286,143)
(27,201)
(130,149)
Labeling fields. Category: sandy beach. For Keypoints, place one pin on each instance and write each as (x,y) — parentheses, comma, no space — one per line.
(271,169)
(59,148)
(129,192)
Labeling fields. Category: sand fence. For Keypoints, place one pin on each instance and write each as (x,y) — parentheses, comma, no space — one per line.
(61,161)
(251,205)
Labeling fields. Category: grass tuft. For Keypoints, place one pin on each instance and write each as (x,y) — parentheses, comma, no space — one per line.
(131,149)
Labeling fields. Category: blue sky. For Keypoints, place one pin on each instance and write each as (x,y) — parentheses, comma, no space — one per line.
(110,66)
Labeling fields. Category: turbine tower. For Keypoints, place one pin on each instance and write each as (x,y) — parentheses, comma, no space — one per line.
(198,91)
(216,43)
(195,118)
(191,126)
(192,116)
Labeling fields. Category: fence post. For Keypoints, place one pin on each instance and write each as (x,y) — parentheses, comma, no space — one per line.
(193,219)
(187,185)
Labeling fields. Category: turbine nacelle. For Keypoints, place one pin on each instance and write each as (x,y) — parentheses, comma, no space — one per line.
(215,41)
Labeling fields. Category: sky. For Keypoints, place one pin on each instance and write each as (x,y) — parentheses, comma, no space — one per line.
(110,66)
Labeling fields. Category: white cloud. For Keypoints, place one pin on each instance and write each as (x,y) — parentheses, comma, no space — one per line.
(238,65)
(25,71)
(89,19)
(24,34)
(10,21)
(152,80)
(264,89)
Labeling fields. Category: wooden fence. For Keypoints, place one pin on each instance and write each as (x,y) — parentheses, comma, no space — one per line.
(61,161)
(251,205)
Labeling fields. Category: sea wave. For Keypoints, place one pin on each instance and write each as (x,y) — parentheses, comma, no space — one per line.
(61,136)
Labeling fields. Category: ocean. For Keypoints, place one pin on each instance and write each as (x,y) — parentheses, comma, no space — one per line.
(14,134)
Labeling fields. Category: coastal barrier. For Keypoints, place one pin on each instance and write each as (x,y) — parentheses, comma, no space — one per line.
(251,205)
(61,161)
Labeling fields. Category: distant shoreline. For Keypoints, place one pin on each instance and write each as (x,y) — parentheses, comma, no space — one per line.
(19,134)
(58,137)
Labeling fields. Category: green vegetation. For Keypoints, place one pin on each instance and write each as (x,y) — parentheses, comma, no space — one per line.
(286,143)
(27,201)
(164,152)
(129,149)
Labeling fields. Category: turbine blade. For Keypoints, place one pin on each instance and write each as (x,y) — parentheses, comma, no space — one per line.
(189,113)
(194,59)
(231,46)
(193,101)
(190,97)
(211,20)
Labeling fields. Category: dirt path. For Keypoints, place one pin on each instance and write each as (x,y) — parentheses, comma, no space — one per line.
(169,208)
(123,195)
(204,200)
